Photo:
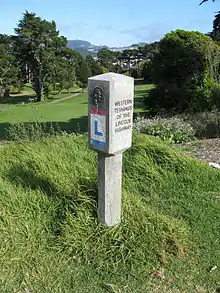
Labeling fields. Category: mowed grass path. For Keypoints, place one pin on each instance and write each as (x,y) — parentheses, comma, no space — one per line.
(69,114)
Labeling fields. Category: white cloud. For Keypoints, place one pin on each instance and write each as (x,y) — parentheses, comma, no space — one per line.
(148,33)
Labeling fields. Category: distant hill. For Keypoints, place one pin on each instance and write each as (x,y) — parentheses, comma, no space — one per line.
(86,48)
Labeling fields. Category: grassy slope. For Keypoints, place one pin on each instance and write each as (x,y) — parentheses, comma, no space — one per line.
(70,114)
(50,239)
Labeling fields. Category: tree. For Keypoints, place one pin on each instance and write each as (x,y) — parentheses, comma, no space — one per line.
(105,58)
(184,69)
(85,73)
(215,34)
(205,1)
(127,56)
(6,40)
(95,68)
(36,46)
(62,73)
(75,59)
(9,70)
(146,72)
(148,51)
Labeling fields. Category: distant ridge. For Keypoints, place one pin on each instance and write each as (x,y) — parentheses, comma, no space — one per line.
(86,48)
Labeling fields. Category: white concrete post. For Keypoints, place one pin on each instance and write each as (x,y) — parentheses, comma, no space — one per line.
(111,98)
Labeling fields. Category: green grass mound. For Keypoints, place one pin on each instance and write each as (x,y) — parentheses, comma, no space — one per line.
(50,239)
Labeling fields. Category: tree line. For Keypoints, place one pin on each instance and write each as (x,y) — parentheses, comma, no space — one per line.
(184,67)
(37,54)
(136,60)
(179,65)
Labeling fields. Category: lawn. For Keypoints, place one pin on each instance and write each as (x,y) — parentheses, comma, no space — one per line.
(70,114)
(140,92)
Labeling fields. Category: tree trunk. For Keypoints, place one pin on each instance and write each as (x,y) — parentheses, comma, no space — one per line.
(38,80)
(38,86)
(4,92)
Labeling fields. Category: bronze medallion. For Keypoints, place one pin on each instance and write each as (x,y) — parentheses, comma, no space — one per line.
(97,95)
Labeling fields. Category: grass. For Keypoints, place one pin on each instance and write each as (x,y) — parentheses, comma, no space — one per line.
(67,113)
(70,115)
(51,240)
(28,93)
(140,93)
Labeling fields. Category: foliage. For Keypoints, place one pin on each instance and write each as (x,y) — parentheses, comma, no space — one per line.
(146,72)
(85,73)
(95,68)
(206,1)
(36,45)
(9,70)
(148,51)
(183,70)
(31,131)
(75,60)
(174,129)
(215,34)
(51,240)
(104,69)
(205,124)
(62,73)
(105,58)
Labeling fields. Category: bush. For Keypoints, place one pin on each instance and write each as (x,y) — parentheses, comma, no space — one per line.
(205,124)
(174,130)
(185,70)
(215,95)
(147,71)
(31,131)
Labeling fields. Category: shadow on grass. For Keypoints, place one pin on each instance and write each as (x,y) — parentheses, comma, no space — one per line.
(28,178)
(19,99)
(140,93)
(29,86)
(141,81)
(31,97)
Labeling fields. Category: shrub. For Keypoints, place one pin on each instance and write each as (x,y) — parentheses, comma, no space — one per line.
(215,95)
(31,131)
(205,124)
(185,70)
(146,72)
(174,130)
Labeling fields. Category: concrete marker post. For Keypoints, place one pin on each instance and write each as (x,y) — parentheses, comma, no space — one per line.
(110,114)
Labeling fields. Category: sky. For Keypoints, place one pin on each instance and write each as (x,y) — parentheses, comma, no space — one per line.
(114,22)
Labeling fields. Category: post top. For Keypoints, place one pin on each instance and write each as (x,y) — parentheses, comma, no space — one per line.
(111,76)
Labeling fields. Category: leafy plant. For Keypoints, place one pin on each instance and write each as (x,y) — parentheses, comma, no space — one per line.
(174,130)
(205,124)
(31,131)
(184,71)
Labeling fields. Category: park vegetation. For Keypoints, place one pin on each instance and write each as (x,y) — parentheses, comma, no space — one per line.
(37,54)
(184,66)
(168,239)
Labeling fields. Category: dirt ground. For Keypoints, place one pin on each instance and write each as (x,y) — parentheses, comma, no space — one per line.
(207,150)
